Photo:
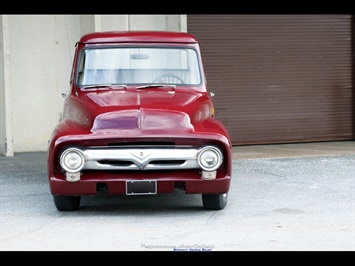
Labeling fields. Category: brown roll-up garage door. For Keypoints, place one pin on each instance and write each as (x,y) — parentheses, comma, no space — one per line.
(279,78)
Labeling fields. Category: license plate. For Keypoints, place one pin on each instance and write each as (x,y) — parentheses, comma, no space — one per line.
(141,187)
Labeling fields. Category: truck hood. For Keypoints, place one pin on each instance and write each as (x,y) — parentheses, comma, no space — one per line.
(148,109)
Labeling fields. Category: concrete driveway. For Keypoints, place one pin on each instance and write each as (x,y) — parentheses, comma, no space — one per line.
(302,202)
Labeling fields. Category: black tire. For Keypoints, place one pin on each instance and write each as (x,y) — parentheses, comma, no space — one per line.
(214,201)
(67,203)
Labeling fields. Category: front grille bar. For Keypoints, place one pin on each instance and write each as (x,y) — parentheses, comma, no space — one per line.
(140,158)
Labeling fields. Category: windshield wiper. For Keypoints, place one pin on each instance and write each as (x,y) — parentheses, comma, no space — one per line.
(104,86)
(155,86)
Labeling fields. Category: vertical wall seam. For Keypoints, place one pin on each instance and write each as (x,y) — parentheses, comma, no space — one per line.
(7,107)
(183,23)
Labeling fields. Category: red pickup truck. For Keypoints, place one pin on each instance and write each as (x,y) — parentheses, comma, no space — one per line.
(138,120)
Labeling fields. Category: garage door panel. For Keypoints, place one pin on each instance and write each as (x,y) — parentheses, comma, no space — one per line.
(279,78)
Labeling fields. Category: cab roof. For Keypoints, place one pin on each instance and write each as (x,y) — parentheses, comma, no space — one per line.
(138,36)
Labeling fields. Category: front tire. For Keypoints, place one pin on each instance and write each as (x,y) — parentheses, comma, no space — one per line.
(214,201)
(67,203)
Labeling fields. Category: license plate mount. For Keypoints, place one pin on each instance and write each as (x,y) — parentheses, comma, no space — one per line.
(141,187)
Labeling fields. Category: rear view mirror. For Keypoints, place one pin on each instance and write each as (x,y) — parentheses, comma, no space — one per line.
(139,56)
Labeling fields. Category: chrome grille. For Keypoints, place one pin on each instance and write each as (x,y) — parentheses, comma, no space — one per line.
(140,158)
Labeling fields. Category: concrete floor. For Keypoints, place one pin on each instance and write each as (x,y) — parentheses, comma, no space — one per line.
(286,197)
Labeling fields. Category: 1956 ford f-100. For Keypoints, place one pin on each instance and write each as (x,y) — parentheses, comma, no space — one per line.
(138,120)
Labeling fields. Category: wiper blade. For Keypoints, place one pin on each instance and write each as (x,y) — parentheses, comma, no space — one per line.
(155,86)
(104,86)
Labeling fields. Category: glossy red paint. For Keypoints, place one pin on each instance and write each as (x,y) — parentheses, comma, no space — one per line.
(124,115)
(138,37)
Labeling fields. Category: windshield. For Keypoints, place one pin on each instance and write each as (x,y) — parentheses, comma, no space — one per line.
(137,65)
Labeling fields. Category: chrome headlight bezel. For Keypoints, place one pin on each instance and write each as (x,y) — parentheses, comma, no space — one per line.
(64,157)
(213,154)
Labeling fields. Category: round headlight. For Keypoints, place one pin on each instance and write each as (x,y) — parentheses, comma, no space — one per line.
(72,160)
(210,158)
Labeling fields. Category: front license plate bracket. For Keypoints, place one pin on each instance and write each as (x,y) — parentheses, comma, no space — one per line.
(141,187)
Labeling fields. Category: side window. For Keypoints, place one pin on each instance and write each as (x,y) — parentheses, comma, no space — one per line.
(80,73)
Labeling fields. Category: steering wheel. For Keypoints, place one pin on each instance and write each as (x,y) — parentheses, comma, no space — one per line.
(168,78)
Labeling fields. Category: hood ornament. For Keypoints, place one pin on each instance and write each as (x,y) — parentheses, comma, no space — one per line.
(142,158)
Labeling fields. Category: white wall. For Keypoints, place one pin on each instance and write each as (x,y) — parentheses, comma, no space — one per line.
(41,49)
(37,69)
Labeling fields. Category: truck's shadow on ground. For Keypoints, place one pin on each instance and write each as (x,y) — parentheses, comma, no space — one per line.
(103,202)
